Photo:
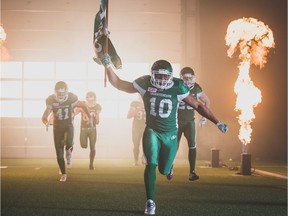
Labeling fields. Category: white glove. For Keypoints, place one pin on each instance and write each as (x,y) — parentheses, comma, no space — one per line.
(222,127)
(202,122)
(106,60)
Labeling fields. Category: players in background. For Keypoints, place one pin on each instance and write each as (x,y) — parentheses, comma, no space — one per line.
(88,126)
(62,104)
(137,112)
(186,117)
(161,93)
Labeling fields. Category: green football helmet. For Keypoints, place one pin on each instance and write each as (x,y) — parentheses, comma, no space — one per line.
(61,91)
(188,76)
(162,74)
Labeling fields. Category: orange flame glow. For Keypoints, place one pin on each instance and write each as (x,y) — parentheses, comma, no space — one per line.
(4,55)
(254,39)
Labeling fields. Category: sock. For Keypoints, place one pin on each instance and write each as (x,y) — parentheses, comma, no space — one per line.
(150,180)
(192,159)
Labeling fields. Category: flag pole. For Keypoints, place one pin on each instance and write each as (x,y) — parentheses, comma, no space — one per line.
(106,41)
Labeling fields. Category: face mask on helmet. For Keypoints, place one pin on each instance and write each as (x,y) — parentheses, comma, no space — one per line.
(189,79)
(61,91)
(161,74)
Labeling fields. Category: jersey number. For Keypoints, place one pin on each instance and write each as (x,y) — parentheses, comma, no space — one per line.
(162,103)
(62,114)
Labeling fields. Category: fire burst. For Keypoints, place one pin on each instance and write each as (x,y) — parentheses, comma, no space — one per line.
(4,55)
(254,39)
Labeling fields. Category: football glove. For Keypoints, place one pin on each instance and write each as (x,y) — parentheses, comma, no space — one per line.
(202,122)
(222,127)
(106,60)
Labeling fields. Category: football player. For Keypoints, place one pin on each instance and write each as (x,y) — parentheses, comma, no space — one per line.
(88,126)
(161,94)
(186,118)
(137,112)
(62,104)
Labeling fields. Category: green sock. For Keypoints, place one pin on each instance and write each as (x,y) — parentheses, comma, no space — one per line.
(192,159)
(150,180)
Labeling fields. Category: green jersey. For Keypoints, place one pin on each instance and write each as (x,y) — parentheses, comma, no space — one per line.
(62,112)
(161,105)
(186,113)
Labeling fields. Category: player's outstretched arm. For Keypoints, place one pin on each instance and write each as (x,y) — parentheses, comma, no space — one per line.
(115,81)
(132,112)
(118,83)
(206,101)
(206,112)
(45,116)
(82,105)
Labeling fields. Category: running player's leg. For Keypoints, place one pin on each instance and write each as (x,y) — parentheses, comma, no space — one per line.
(83,138)
(136,142)
(168,151)
(92,140)
(169,176)
(151,147)
(180,132)
(190,134)
(69,144)
(141,154)
(58,135)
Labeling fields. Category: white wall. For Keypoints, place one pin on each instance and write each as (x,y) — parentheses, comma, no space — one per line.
(58,32)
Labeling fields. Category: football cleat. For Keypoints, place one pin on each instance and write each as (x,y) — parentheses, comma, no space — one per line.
(169,176)
(193,176)
(150,207)
(63,178)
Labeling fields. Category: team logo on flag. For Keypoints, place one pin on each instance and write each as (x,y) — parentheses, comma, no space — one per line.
(99,39)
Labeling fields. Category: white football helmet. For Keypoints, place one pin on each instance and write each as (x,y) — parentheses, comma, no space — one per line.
(188,76)
(162,74)
(61,91)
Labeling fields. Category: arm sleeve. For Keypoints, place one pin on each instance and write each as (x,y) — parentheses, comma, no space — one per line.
(183,90)
(139,84)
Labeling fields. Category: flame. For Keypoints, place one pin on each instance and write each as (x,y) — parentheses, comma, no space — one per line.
(4,54)
(253,39)
(2,34)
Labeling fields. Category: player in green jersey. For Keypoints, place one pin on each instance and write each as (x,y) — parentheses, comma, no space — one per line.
(137,112)
(161,93)
(88,126)
(186,117)
(62,104)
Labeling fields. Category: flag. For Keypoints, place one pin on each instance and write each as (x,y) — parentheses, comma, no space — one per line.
(99,38)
